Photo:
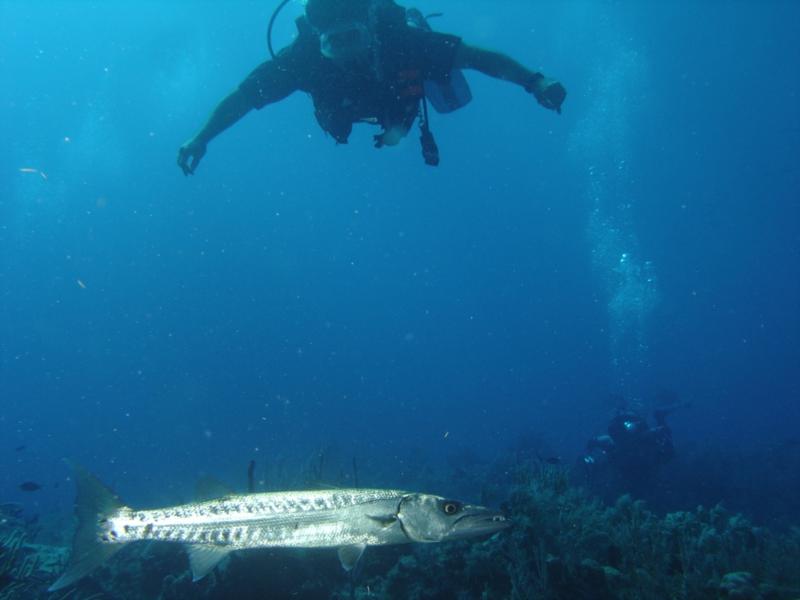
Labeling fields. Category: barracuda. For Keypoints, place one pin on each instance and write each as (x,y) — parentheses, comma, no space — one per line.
(346,519)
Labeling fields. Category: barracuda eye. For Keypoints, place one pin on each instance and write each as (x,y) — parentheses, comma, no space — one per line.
(450,508)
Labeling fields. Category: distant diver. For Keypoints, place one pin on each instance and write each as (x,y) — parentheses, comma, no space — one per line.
(346,519)
(368,61)
(632,449)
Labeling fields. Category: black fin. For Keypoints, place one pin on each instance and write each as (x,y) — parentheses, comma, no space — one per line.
(251,483)
(94,503)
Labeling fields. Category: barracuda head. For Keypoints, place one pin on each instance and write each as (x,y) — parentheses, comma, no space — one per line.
(427,518)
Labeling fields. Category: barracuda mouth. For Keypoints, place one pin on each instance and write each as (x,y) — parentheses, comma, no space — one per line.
(478,521)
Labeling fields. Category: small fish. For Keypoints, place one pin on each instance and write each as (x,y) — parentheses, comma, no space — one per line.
(19,448)
(30,486)
(81,284)
(42,174)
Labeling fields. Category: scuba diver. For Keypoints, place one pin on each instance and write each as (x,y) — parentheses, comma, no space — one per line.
(368,61)
(632,451)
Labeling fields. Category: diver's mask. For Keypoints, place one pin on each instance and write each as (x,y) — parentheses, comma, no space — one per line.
(345,41)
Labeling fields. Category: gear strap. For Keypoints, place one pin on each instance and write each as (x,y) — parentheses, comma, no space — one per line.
(430,151)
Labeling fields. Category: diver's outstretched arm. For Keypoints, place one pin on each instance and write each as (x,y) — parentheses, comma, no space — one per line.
(232,108)
(549,92)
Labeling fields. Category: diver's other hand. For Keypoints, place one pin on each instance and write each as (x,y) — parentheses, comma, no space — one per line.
(190,155)
(548,92)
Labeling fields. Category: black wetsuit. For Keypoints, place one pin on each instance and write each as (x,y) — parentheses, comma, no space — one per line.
(386,92)
(639,450)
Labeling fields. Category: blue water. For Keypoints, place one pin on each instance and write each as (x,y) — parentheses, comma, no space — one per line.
(295,296)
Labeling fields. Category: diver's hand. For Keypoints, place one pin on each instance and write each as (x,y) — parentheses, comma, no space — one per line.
(548,92)
(190,155)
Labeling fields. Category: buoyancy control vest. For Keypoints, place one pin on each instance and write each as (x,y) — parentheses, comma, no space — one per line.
(409,91)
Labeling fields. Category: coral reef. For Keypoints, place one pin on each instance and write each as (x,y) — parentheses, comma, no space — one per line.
(566,545)
(26,569)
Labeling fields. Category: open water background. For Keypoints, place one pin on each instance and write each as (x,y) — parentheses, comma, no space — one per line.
(295,297)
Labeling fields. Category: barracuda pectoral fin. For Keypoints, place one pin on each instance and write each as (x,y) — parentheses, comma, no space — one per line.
(349,555)
(384,520)
(203,559)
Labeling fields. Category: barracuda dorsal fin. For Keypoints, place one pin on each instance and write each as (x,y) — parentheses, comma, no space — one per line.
(349,555)
(203,559)
(210,488)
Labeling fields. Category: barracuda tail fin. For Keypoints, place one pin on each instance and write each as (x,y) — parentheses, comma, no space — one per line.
(94,503)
